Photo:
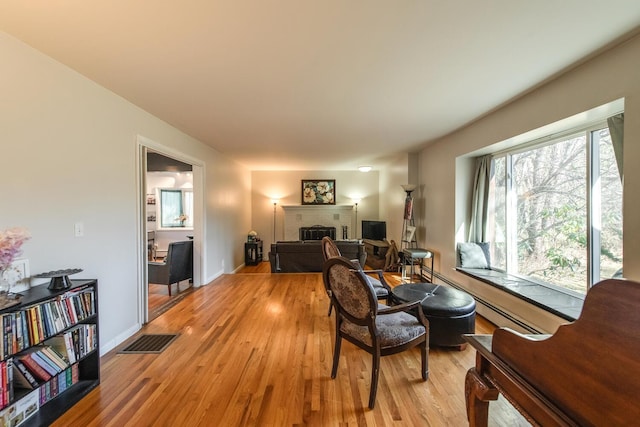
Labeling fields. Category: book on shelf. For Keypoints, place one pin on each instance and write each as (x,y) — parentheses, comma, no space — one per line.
(37,370)
(63,345)
(33,327)
(33,324)
(51,355)
(44,361)
(25,331)
(24,378)
(8,375)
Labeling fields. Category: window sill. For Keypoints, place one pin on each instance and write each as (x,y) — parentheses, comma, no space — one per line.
(562,303)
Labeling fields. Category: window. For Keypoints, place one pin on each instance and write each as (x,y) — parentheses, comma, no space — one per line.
(555,211)
(176,208)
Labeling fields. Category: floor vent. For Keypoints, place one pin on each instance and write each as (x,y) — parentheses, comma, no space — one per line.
(149,344)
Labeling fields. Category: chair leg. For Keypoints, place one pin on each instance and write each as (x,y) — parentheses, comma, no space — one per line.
(375,370)
(424,352)
(169,289)
(336,355)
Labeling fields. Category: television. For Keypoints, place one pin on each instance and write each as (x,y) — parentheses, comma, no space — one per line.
(374,230)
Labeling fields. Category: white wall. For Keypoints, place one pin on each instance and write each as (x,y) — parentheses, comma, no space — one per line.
(68,154)
(605,78)
(392,176)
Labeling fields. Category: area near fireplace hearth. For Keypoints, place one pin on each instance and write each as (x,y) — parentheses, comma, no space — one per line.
(338,216)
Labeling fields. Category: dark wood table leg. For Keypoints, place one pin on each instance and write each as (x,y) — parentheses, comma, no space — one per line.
(478,394)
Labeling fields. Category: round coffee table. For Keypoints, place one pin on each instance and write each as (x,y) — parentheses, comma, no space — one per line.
(451,313)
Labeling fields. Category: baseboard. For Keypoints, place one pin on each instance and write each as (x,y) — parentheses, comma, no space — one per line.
(108,346)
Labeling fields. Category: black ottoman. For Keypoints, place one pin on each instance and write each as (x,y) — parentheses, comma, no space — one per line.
(451,312)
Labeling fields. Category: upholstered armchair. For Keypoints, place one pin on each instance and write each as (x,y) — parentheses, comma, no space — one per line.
(177,266)
(378,329)
(380,286)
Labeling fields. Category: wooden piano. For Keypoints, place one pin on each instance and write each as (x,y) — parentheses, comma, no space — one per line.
(586,374)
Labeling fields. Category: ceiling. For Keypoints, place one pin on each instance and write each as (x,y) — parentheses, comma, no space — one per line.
(318,85)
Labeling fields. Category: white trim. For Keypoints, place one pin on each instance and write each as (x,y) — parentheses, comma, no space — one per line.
(141,226)
(199,245)
(119,339)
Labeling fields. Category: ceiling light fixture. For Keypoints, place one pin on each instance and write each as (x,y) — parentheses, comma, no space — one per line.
(364,168)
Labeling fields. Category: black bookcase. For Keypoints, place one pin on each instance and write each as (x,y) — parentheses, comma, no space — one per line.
(81,320)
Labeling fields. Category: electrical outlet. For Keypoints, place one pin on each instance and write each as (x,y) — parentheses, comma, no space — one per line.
(78,229)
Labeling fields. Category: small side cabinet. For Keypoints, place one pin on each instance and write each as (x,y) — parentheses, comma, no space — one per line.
(253,253)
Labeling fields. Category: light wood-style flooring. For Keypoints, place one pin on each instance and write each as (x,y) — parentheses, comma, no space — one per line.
(255,349)
(160,301)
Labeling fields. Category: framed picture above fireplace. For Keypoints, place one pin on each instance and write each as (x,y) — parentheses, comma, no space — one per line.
(318,192)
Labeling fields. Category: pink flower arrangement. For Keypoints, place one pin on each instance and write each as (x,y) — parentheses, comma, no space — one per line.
(11,241)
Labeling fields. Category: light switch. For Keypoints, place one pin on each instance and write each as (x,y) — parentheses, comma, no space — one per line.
(78,229)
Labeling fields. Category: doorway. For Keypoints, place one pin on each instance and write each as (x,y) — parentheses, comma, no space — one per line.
(171,210)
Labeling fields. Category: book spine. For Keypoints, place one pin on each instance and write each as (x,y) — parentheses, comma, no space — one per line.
(17,328)
(25,329)
(35,368)
(54,386)
(14,334)
(30,378)
(42,360)
(56,357)
(71,353)
(69,376)
(48,317)
(71,310)
(75,374)
(6,335)
(3,384)
(34,326)
(10,393)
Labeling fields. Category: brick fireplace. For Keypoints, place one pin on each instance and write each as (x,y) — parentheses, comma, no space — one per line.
(296,216)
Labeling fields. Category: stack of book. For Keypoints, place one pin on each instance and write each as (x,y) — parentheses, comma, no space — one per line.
(24,328)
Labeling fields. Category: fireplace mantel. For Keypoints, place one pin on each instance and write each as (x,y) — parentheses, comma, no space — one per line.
(312,207)
(296,216)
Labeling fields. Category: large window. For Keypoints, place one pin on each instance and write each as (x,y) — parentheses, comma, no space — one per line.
(176,208)
(555,211)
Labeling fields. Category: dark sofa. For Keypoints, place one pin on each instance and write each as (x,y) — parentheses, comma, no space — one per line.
(306,255)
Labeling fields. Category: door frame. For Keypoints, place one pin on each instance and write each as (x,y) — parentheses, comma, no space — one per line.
(199,245)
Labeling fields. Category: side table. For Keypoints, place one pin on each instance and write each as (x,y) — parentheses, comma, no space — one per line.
(253,253)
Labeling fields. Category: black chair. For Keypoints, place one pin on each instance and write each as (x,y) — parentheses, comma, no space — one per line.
(177,266)
(378,329)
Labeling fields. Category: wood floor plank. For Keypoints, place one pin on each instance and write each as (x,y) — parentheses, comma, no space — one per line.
(255,349)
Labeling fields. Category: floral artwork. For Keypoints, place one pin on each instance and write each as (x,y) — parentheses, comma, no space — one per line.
(319,192)
(12,271)
(11,241)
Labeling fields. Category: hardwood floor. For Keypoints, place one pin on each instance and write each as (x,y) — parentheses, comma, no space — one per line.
(160,301)
(256,349)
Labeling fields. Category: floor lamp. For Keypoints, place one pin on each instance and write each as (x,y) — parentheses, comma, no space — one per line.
(275,202)
(355,202)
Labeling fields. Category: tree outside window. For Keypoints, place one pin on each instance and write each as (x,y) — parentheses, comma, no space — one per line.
(176,208)
(548,203)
